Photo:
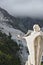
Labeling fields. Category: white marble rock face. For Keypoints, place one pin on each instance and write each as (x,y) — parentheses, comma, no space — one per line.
(35,46)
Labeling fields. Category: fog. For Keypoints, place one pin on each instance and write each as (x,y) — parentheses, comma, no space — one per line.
(31,8)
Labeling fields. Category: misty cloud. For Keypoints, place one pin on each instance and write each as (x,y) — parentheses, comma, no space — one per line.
(32,8)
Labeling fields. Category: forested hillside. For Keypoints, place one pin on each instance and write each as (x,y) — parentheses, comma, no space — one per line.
(8,51)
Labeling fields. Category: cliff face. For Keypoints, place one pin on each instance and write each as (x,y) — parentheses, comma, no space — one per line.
(22,23)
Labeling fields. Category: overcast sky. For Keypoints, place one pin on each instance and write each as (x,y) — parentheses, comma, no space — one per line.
(31,8)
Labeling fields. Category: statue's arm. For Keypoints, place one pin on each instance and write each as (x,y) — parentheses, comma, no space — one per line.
(21,37)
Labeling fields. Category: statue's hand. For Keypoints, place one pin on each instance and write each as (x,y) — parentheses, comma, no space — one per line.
(20,37)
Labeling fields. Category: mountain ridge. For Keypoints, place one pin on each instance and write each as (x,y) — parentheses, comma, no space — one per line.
(22,23)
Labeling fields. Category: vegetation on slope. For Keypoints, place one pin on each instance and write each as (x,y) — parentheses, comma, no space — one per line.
(41,63)
(8,51)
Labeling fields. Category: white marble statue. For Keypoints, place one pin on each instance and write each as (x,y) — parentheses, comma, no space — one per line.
(35,45)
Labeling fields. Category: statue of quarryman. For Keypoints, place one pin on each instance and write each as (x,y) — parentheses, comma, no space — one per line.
(31,41)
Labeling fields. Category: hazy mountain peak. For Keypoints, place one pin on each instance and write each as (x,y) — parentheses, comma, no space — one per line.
(22,23)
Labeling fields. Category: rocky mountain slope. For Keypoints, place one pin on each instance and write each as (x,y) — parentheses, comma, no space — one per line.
(14,25)
(22,23)
(7,28)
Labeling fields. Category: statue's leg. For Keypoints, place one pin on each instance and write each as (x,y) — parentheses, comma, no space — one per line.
(39,51)
(39,57)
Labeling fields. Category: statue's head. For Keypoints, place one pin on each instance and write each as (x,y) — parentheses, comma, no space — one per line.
(36,28)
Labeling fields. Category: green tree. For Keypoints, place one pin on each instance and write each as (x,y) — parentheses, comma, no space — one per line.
(8,51)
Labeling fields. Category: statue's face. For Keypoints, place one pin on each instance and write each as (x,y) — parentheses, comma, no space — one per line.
(36,28)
